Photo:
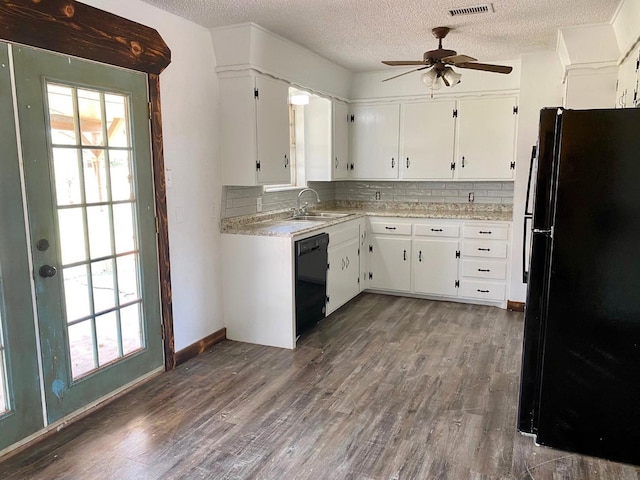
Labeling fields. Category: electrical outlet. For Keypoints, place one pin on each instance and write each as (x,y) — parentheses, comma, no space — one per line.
(377,195)
(471,197)
(259,204)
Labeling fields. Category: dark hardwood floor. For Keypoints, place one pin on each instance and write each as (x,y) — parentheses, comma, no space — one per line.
(385,388)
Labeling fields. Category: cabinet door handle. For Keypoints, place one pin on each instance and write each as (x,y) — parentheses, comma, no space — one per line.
(390,228)
(436,229)
(420,256)
(348,262)
(286,161)
(337,163)
(408,163)
(462,162)
(484,249)
(483,291)
(484,270)
(485,233)
(343,264)
(404,255)
(393,162)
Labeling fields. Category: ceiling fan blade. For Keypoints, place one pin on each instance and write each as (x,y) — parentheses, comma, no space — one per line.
(406,73)
(398,63)
(455,59)
(485,67)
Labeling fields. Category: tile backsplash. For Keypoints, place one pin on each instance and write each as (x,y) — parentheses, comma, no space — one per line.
(238,201)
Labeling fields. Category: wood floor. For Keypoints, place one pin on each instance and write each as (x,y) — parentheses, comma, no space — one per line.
(385,388)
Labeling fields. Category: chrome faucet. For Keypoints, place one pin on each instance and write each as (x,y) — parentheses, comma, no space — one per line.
(303,210)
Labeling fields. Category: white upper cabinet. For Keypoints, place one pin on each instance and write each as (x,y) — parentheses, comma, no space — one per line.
(326,139)
(375,132)
(427,140)
(340,115)
(486,138)
(254,131)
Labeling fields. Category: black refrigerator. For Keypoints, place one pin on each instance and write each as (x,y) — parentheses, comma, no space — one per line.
(580,379)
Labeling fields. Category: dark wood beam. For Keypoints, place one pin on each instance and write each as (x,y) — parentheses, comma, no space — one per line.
(73,28)
(160,187)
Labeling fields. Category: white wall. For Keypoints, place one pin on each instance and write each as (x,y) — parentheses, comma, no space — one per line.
(189,95)
(540,86)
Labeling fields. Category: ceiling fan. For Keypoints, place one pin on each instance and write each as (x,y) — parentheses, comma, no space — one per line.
(440,60)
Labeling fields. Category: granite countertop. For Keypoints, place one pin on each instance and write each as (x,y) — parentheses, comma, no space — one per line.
(280,224)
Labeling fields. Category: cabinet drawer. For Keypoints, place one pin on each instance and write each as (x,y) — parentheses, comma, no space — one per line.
(488,232)
(484,269)
(343,234)
(436,230)
(478,248)
(391,228)
(483,290)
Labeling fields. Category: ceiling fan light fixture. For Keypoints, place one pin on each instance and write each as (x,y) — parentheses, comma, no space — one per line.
(451,76)
(437,83)
(429,77)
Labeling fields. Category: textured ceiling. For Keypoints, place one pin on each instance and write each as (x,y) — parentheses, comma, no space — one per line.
(358,34)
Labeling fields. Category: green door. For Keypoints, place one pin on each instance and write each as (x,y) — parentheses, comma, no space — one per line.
(84,130)
(20,404)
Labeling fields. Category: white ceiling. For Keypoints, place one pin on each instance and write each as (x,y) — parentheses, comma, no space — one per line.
(358,34)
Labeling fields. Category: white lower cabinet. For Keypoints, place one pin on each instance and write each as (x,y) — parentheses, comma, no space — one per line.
(455,259)
(390,263)
(343,273)
(435,267)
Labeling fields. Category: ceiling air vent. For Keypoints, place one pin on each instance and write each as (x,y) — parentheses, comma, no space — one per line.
(474,10)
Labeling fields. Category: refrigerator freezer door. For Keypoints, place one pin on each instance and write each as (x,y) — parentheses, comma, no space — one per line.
(538,260)
(590,393)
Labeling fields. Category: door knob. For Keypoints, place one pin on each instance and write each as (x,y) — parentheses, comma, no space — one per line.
(47,271)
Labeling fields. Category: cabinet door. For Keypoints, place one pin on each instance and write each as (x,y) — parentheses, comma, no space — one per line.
(435,267)
(391,263)
(272,124)
(365,256)
(340,163)
(486,138)
(317,139)
(343,273)
(375,133)
(428,139)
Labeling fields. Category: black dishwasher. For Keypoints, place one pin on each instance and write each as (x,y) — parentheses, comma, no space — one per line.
(311,281)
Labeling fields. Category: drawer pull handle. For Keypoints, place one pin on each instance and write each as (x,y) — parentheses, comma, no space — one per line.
(436,229)
(485,233)
(390,228)
(420,256)
(483,291)
(484,270)
(404,255)
(484,249)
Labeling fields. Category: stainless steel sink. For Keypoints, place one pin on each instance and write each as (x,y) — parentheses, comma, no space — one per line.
(320,216)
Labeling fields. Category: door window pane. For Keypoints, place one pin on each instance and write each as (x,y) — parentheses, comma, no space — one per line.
(61,114)
(108,338)
(95,176)
(103,287)
(128,286)
(81,348)
(71,226)
(131,328)
(99,231)
(91,126)
(121,175)
(65,168)
(76,293)
(123,223)
(117,121)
